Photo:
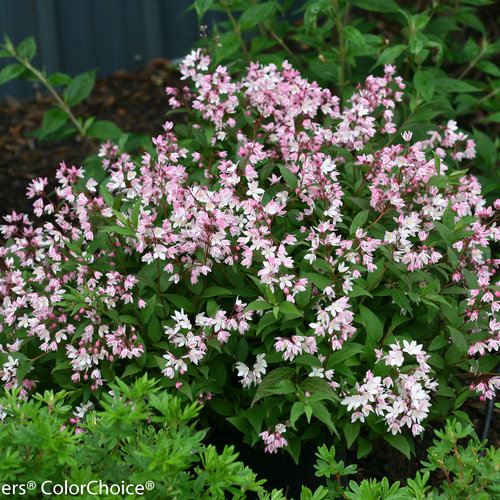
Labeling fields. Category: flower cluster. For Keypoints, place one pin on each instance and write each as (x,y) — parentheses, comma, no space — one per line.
(274,440)
(254,376)
(401,398)
(220,328)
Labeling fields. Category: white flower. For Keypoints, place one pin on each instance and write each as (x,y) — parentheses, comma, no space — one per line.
(317,372)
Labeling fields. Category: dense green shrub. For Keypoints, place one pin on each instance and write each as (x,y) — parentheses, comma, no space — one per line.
(135,435)
(298,262)
(447,52)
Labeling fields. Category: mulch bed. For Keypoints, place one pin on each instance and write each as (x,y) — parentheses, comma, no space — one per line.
(136,102)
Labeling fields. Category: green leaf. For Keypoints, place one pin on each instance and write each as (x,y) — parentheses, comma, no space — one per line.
(373,326)
(445,232)
(319,387)
(486,148)
(459,340)
(134,216)
(256,14)
(400,442)
(289,309)
(390,54)
(148,311)
(358,221)
(220,406)
(354,36)
(290,178)
(241,423)
(52,121)
(296,411)
(489,67)
(319,280)
(258,305)
(495,117)
(348,350)
(10,72)
(180,301)
(315,9)
(154,328)
(201,7)
(471,279)
(351,431)
(130,369)
(364,447)
(320,411)
(126,231)
(242,350)
(23,370)
(452,255)
(212,308)
(218,291)
(271,380)
(27,48)
(425,83)
(460,400)
(79,88)
(446,84)
(266,320)
(229,44)
(104,130)
(59,79)
(376,5)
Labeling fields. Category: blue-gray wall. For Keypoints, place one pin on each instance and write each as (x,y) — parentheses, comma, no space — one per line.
(77,35)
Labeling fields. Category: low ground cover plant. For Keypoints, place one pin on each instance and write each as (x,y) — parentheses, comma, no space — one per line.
(142,442)
(296,265)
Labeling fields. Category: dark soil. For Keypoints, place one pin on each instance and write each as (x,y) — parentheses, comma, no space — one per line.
(137,103)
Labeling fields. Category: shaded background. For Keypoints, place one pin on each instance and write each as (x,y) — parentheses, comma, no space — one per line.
(74,36)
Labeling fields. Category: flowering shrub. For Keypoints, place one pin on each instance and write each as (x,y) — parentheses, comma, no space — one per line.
(292,265)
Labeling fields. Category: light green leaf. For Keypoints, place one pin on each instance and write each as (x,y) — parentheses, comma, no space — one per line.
(390,54)
(358,221)
(425,83)
(126,231)
(288,176)
(458,339)
(104,130)
(289,309)
(52,121)
(79,88)
(256,14)
(27,48)
(373,326)
(10,72)
(258,305)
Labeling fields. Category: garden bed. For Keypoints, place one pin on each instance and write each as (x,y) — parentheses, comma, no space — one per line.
(136,102)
